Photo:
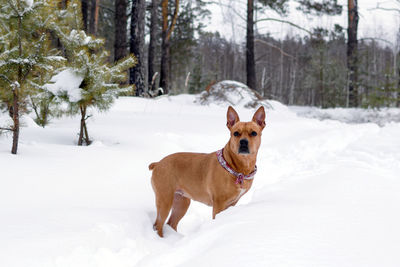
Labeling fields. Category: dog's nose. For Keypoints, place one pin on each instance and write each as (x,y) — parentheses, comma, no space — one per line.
(244,142)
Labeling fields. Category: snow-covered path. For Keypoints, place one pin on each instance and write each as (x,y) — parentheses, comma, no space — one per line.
(326,194)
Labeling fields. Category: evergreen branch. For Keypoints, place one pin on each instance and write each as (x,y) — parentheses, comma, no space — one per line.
(287,22)
(13,8)
(4,77)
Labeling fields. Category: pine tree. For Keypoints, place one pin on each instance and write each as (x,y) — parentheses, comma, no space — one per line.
(352,52)
(121,22)
(279,6)
(87,64)
(25,55)
(196,84)
(152,54)
(167,29)
(183,43)
(136,46)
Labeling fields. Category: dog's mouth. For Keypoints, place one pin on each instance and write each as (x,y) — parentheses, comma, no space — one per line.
(244,150)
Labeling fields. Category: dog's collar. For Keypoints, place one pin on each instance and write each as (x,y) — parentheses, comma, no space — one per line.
(240,177)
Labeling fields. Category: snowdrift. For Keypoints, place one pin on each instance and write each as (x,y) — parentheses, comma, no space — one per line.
(380,116)
(231,93)
(326,192)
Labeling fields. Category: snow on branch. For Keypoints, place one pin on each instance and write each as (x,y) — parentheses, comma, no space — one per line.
(66,83)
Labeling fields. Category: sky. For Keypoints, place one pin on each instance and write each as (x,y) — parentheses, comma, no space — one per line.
(373,23)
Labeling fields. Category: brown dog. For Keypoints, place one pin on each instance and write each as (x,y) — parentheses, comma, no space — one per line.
(217,179)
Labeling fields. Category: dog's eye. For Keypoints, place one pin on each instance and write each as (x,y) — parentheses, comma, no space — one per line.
(236,133)
(253,133)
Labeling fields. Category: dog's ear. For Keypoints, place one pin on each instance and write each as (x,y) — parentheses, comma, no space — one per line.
(259,117)
(232,117)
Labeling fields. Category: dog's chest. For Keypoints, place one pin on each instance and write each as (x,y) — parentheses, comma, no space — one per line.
(238,194)
(241,193)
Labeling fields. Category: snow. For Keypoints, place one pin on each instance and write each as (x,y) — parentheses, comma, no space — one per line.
(67,83)
(81,38)
(231,92)
(380,116)
(326,192)
(29,3)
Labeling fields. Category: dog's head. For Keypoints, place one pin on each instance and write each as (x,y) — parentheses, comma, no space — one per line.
(245,136)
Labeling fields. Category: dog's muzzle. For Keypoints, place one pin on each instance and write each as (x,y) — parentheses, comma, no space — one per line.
(244,146)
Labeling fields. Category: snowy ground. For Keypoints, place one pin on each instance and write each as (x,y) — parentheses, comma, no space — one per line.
(381,116)
(326,194)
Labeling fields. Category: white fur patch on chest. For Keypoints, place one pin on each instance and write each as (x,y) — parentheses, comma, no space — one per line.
(241,192)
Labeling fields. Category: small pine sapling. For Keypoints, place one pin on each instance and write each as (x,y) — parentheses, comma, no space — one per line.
(87,64)
(25,55)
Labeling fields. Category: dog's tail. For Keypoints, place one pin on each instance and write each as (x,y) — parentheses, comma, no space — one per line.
(152,166)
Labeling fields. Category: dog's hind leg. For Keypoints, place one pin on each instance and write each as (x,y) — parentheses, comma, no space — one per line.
(163,207)
(179,208)
(164,197)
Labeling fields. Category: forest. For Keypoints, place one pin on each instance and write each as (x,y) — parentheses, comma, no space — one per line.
(324,67)
(149,48)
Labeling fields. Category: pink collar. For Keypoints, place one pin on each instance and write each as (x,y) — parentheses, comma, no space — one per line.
(240,177)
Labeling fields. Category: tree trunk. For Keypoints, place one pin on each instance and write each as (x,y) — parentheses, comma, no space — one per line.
(83,133)
(137,45)
(250,62)
(166,35)
(94,16)
(121,17)
(293,81)
(87,140)
(80,139)
(84,7)
(164,73)
(15,118)
(398,88)
(15,90)
(352,57)
(153,42)
(321,93)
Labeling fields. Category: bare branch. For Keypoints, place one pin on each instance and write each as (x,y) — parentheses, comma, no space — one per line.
(376,39)
(275,47)
(5,129)
(230,7)
(286,22)
(378,7)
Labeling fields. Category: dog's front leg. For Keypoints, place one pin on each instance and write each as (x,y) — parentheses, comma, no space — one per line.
(218,206)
